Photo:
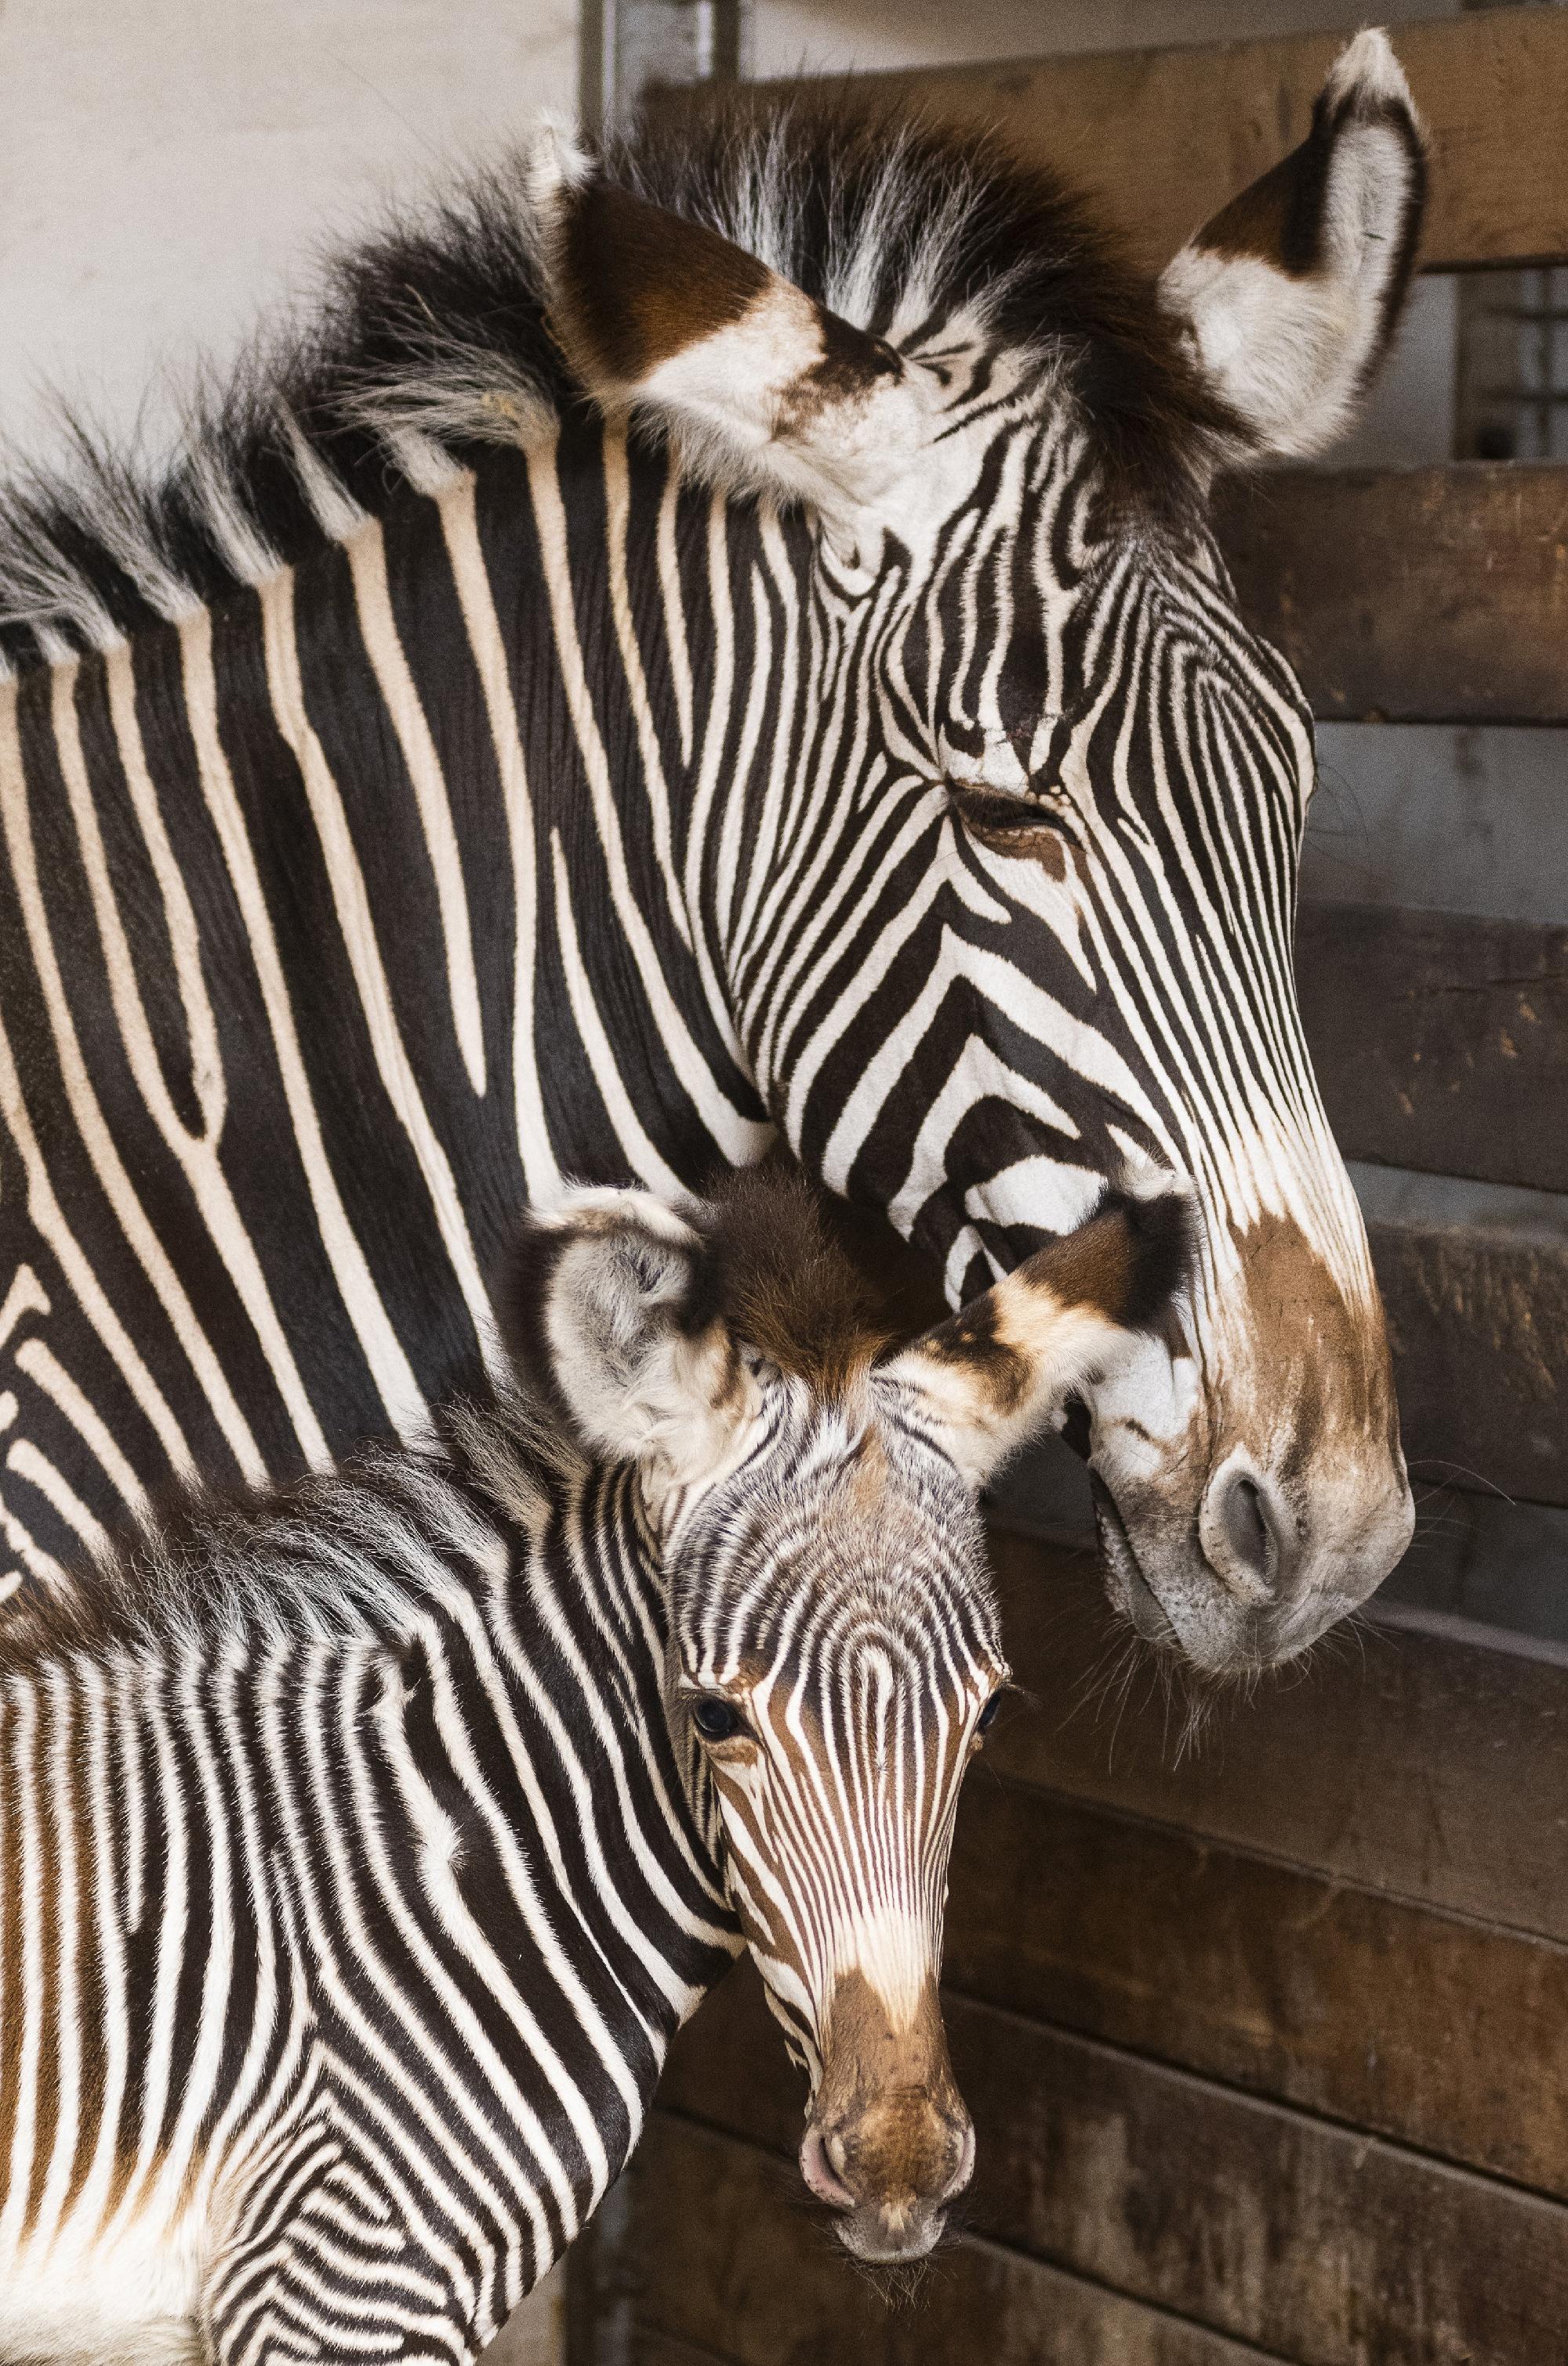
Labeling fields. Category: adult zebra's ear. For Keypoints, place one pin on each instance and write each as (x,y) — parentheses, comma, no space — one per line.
(991,1376)
(1292,293)
(761,384)
(611,1307)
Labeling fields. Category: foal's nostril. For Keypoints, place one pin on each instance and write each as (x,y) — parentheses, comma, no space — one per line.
(966,2168)
(821,2172)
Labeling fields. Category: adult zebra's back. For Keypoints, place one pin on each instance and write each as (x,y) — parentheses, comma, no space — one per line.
(431,791)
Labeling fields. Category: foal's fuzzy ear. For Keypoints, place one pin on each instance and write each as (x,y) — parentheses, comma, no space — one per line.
(765,385)
(990,1378)
(612,1305)
(1292,293)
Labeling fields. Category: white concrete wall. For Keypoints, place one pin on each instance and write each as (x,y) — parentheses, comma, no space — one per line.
(167,165)
(841,35)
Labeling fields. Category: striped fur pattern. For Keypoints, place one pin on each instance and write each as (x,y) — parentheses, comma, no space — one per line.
(717,644)
(362,1847)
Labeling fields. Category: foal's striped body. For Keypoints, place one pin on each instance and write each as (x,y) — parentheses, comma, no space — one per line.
(361,1848)
(349,1907)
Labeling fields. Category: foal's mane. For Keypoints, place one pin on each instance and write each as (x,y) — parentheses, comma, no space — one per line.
(429,342)
(351,1554)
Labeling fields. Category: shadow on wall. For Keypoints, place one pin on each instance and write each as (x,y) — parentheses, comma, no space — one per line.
(534,2335)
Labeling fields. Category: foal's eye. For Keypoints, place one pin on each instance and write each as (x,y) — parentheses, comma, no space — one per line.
(717,1719)
(987,1716)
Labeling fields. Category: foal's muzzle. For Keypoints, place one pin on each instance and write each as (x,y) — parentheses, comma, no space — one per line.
(892,2172)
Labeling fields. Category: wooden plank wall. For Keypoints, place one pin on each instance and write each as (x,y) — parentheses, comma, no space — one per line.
(1163,138)
(1266,2039)
(1412,595)
(1266,2045)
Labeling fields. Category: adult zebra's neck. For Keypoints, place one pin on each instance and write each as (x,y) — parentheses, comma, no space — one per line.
(556,643)
(336,920)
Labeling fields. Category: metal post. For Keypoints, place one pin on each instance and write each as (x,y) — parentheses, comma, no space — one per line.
(624,46)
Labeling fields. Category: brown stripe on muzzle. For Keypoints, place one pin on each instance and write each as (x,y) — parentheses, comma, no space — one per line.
(886,2104)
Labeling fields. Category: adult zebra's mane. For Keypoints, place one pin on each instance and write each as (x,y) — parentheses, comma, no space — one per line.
(430,340)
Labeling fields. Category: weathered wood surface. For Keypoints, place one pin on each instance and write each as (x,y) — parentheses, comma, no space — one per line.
(651,2349)
(1164,138)
(735,2270)
(1475,1284)
(1426,2027)
(1441,1042)
(1408,1763)
(1307,2240)
(1410,595)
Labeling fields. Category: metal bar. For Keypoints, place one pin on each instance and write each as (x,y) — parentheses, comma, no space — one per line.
(626,47)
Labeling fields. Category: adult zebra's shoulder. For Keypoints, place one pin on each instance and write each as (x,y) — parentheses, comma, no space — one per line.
(362,1848)
(434,786)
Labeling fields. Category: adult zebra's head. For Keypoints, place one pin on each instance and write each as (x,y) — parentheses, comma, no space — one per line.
(1013,897)
(833,1655)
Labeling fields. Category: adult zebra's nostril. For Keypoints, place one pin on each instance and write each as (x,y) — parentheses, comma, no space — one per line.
(1245,1523)
(1245,1535)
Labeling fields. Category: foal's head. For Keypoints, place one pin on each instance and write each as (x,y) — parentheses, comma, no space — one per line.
(833,1654)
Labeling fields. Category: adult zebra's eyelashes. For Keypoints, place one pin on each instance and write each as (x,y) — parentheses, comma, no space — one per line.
(995,813)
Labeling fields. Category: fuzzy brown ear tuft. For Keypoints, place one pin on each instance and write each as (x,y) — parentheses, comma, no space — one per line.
(788,1290)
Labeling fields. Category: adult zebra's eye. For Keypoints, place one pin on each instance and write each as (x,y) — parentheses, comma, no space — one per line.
(717,1719)
(987,1716)
(994,814)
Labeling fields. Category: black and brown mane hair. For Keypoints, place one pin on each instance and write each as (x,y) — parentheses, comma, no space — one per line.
(789,1288)
(435,327)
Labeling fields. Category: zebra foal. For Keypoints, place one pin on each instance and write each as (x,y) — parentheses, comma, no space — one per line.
(362,1847)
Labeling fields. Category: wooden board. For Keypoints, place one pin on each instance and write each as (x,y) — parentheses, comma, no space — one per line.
(1265,2224)
(1477,1305)
(1410,1763)
(1428,2028)
(1414,594)
(650,2348)
(1164,138)
(734,2269)
(1441,1042)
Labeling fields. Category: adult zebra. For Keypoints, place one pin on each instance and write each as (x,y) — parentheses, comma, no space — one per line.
(430,789)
